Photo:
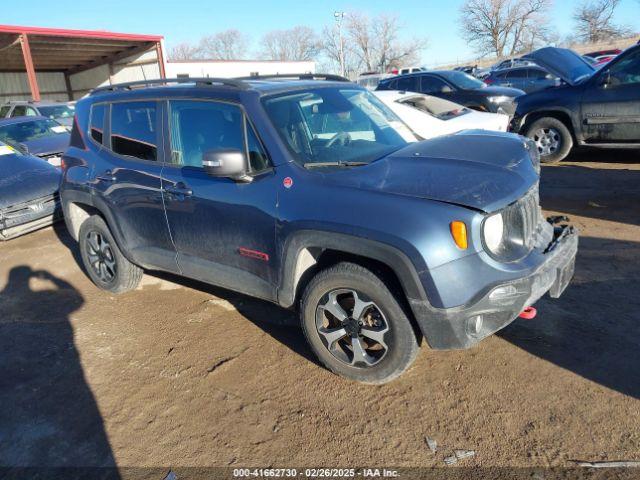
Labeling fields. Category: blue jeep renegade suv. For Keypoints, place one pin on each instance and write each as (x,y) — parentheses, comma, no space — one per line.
(309,193)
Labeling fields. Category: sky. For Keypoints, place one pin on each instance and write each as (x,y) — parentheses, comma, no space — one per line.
(188,20)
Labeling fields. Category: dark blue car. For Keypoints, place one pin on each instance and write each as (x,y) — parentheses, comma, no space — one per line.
(529,79)
(39,136)
(313,195)
(28,193)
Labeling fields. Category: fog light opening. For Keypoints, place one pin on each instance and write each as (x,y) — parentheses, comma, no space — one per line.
(474,325)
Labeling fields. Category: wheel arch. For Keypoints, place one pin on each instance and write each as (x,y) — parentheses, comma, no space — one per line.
(561,115)
(79,206)
(308,252)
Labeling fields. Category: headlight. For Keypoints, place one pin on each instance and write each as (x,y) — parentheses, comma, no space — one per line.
(493,232)
(499,99)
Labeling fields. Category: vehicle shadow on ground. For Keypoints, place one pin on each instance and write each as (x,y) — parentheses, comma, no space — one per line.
(603,193)
(593,330)
(48,414)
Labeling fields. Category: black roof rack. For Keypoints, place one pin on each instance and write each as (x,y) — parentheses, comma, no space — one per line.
(207,81)
(299,76)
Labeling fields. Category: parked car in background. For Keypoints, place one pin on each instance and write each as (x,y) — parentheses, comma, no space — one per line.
(39,136)
(314,195)
(405,70)
(457,87)
(60,112)
(370,81)
(596,108)
(612,52)
(511,63)
(430,117)
(28,193)
(528,79)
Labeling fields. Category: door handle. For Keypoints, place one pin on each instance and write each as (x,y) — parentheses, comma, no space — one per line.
(107,176)
(179,189)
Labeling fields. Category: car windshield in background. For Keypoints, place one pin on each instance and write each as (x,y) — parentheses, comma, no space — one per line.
(57,111)
(336,126)
(27,131)
(463,80)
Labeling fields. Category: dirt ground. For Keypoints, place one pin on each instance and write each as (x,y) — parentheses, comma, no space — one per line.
(178,373)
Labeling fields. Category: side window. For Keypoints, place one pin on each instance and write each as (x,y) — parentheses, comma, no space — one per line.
(133,129)
(19,111)
(197,127)
(519,74)
(408,84)
(431,84)
(535,74)
(626,71)
(31,112)
(258,160)
(4,110)
(96,123)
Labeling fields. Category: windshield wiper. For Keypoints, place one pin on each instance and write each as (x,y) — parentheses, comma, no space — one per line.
(334,164)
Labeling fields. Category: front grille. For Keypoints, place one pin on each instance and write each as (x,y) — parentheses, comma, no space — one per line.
(31,210)
(524,220)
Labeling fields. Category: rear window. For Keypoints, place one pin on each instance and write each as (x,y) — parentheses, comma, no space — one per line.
(133,130)
(96,124)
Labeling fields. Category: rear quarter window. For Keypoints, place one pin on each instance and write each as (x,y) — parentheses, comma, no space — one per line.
(96,122)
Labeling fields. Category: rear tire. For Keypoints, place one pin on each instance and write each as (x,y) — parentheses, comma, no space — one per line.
(103,260)
(355,325)
(552,137)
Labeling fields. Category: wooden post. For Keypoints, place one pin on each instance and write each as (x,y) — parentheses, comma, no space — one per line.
(67,82)
(31,71)
(160,58)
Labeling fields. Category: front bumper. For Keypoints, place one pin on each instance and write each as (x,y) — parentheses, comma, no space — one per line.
(460,327)
(29,216)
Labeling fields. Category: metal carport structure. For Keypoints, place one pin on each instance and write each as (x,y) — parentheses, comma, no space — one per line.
(60,64)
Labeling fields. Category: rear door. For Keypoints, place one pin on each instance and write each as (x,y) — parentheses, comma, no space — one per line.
(611,110)
(223,230)
(126,177)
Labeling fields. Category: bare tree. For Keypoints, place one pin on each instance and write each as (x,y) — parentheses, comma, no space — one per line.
(594,21)
(226,45)
(504,27)
(297,43)
(372,44)
(184,51)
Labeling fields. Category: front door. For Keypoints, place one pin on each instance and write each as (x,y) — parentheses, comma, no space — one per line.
(127,176)
(611,109)
(223,230)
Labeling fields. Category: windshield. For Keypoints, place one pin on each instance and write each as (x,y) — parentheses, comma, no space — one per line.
(342,125)
(463,80)
(32,130)
(57,111)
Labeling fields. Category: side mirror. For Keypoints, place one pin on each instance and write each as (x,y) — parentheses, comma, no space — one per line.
(226,163)
(446,89)
(605,79)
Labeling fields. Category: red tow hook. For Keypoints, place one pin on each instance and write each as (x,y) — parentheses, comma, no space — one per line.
(528,313)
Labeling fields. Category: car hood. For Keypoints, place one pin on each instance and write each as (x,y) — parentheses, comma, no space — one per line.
(563,63)
(477,169)
(24,178)
(57,143)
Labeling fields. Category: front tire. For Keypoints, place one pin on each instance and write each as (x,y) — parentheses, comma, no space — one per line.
(355,325)
(552,137)
(103,261)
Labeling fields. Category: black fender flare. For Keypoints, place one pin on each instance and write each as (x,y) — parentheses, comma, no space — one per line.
(389,255)
(96,203)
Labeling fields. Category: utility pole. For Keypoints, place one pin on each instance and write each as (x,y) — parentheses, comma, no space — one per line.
(339,16)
